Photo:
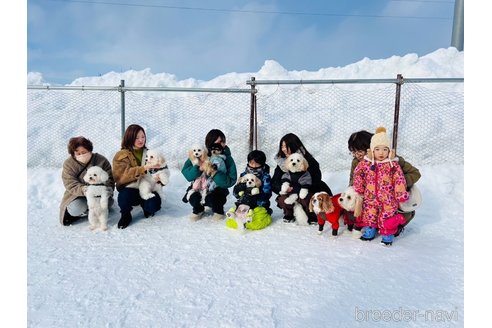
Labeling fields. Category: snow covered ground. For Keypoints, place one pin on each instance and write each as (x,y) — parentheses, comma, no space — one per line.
(167,271)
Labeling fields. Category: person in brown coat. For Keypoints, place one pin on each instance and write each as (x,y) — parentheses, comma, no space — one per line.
(127,169)
(74,202)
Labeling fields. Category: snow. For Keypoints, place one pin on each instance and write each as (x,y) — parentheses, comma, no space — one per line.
(167,271)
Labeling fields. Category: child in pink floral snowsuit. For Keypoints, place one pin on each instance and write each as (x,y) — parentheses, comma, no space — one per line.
(379,178)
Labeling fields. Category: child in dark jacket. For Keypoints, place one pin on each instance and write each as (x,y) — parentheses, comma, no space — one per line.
(258,167)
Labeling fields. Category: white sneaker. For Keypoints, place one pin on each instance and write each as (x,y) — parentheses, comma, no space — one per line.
(195,217)
(218,217)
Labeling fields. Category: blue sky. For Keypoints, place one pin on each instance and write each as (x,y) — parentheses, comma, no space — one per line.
(204,39)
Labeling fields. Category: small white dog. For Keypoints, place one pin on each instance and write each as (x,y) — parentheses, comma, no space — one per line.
(297,177)
(97,196)
(242,212)
(155,179)
(197,154)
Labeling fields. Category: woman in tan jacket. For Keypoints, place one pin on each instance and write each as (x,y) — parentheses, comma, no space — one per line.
(74,203)
(128,168)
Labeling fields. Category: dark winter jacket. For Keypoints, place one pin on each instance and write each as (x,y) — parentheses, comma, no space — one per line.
(297,180)
(263,198)
(317,184)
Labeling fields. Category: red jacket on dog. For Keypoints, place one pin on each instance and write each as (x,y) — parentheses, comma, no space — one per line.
(327,209)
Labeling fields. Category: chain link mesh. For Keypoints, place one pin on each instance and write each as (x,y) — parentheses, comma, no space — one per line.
(169,119)
(327,115)
(324,116)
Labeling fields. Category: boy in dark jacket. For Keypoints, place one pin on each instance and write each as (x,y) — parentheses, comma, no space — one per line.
(257,166)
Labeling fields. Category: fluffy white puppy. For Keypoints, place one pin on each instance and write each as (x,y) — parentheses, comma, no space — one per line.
(155,179)
(296,165)
(197,154)
(97,196)
(251,181)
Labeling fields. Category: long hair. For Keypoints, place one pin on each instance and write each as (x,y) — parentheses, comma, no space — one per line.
(294,144)
(77,142)
(131,135)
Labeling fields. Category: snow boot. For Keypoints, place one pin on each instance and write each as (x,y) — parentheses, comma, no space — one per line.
(148,214)
(126,219)
(387,240)
(399,230)
(68,219)
(369,234)
(289,219)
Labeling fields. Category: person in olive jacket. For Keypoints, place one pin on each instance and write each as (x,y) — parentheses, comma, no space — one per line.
(128,168)
(74,203)
(217,198)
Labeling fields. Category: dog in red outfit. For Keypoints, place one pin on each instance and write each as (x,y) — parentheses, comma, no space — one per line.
(327,208)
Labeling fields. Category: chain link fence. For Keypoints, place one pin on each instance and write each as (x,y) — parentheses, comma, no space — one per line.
(324,114)
(173,121)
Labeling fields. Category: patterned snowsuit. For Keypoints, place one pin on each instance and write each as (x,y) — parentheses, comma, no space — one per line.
(383,186)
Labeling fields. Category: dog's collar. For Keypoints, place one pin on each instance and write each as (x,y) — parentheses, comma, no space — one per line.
(152,171)
(97,184)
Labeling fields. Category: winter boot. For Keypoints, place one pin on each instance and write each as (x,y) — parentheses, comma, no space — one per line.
(148,214)
(196,216)
(126,219)
(217,216)
(399,230)
(68,219)
(369,233)
(289,219)
(387,240)
(334,232)
(350,227)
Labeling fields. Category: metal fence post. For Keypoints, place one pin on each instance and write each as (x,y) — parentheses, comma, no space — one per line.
(252,118)
(396,119)
(122,85)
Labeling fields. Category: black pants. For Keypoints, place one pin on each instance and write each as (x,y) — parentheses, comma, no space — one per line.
(215,199)
(129,197)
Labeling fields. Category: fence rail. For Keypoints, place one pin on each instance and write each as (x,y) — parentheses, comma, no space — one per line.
(326,112)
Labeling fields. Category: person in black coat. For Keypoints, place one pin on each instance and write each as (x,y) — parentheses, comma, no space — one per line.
(289,144)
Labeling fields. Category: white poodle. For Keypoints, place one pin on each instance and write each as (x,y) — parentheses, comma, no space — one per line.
(155,179)
(97,195)
(297,177)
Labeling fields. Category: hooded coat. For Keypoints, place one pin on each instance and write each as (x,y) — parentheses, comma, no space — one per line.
(383,187)
(72,176)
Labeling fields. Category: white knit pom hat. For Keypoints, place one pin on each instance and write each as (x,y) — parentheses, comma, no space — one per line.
(380,139)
